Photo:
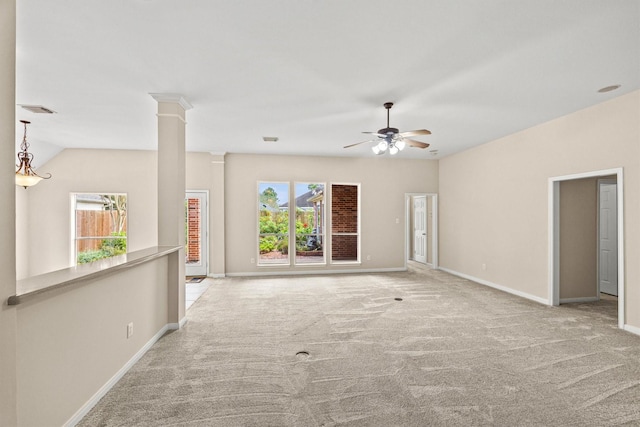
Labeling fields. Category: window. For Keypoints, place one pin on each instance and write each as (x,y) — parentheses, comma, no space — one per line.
(309,248)
(100,226)
(273,223)
(345,223)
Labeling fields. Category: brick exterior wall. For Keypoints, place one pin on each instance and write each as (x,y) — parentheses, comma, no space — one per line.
(344,219)
(193,230)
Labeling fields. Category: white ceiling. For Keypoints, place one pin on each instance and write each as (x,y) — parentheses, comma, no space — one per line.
(315,73)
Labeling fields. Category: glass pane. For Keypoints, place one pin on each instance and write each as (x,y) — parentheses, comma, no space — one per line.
(101,226)
(344,208)
(344,222)
(344,247)
(273,237)
(309,223)
(192,233)
(274,249)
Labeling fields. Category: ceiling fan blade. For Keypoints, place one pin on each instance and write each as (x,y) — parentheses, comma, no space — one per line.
(379,135)
(416,132)
(358,143)
(414,143)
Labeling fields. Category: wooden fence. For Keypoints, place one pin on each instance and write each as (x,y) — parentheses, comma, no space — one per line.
(93,224)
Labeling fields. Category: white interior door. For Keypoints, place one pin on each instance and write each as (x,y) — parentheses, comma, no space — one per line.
(196,234)
(420,229)
(608,237)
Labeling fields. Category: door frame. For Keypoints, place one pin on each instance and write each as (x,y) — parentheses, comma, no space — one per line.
(599,182)
(427,232)
(434,227)
(554,235)
(205,230)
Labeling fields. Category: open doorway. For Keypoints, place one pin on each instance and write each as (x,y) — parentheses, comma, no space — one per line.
(608,237)
(586,234)
(421,236)
(196,245)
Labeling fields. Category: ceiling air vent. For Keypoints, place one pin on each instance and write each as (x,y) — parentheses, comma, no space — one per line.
(38,109)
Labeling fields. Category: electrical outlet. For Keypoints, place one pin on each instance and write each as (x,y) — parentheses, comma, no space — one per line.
(129,330)
(253,260)
(484,266)
(368,257)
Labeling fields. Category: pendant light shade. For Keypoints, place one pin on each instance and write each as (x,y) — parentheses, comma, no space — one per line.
(26,176)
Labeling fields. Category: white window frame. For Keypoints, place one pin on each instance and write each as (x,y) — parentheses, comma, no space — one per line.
(257,222)
(330,222)
(324,227)
(74,238)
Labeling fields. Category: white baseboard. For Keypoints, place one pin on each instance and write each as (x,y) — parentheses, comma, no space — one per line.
(496,286)
(176,326)
(304,272)
(84,410)
(632,329)
(575,300)
(217,276)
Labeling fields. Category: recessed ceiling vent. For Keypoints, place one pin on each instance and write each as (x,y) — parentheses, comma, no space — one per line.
(608,88)
(270,138)
(38,109)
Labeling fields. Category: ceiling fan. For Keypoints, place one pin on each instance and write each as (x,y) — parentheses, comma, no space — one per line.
(392,139)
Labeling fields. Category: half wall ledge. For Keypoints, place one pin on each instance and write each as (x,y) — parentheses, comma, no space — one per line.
(80,275)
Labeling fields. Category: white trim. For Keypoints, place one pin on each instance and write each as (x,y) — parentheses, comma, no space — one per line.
(577,300)
(598,184)
(632,329)
(323,226)
(553,269)
(172,97)
(434,223)
(84,410)
(257,224)
(496,286)
(434,227)
(176,326)
(175,116)
(205,221)
(217,275)
(554,235)
(316,272)
(329,224)
(594,174)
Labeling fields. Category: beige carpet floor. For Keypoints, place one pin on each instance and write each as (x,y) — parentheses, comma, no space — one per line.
(343,351)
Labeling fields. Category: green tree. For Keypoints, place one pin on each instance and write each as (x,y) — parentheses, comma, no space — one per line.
(269,197)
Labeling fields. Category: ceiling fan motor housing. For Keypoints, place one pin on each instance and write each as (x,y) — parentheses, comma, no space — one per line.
(388,131)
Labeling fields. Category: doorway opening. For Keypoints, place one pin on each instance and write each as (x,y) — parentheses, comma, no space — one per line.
(196,244)
(421,234)
(586,238)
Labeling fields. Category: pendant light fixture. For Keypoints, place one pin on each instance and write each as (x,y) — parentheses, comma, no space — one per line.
(25,175)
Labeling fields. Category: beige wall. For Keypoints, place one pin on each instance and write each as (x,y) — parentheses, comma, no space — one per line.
(23,232)
(8,322)
(82,170)
(384,182)
(83,333)
(494,198)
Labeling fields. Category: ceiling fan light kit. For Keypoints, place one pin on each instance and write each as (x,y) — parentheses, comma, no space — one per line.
(391,139)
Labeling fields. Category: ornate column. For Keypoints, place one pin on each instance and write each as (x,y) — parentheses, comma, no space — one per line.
(171,192)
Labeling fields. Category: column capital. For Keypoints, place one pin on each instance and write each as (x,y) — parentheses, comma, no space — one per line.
(172,97)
